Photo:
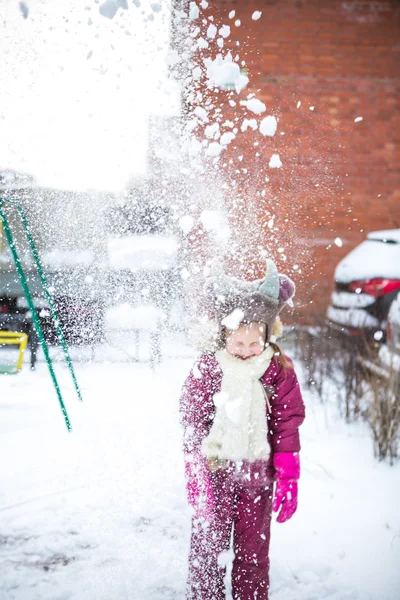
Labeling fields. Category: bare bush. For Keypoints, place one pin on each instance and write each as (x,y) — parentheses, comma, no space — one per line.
(363,388)
(330,358)
(383,414)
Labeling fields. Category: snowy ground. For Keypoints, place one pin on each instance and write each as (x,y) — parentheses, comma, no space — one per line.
(101,513)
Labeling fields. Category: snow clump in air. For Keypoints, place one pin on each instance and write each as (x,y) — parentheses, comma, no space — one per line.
(185,274)
(225,31)
(194,147)
(226,558)
(256,15)
(338,242)
(268,126)
(212,131)
(109,8)
(191,125)
(232,14)
(194,11)
(249,123)
(196,73)
(233,320)
(254,105)
(224,71)
(211,32)
(215,223)
(358,119)
(24,9)
(214,150)
(227,137)
(201,112)
(204,4)
(211,220)
(172,58)
(202,43)
(275,162)
(186,223)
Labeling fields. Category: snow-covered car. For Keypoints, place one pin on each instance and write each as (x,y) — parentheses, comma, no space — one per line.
(143,256)
(68,236)
(10,179)
(77,294)
(367,281)
(389,353)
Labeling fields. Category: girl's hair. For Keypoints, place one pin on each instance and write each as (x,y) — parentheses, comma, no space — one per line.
(281,358)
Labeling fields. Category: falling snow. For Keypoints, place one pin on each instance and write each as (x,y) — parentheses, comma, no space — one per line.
(79,521)
(268,126)
(225,31)
(214,149)
(223,71)
(211,31)
(275,162)
(249,123)
(254,105)
(194,11)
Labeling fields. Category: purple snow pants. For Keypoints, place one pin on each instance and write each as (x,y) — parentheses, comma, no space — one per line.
(249,510)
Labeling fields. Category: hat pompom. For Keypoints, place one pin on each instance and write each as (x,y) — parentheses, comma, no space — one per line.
(286,288)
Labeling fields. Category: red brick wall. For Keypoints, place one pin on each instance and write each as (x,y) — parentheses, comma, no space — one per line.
(339,178)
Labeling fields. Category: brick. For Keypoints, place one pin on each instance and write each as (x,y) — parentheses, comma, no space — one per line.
(344,60)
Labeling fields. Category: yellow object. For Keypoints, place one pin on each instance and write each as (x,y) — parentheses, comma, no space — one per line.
(14,337)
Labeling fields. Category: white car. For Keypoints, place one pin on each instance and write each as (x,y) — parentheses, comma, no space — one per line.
(367,281)
(389,353)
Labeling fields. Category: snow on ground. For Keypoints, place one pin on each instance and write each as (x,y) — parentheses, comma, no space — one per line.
(101,513)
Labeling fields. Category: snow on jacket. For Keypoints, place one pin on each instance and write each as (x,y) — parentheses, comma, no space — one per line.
(197,407)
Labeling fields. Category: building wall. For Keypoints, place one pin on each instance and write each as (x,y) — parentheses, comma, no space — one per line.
(339,178)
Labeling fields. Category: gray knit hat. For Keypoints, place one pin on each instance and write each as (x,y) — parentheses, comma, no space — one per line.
(236,301)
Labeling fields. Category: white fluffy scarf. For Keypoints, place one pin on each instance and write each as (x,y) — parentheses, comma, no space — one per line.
(239,429)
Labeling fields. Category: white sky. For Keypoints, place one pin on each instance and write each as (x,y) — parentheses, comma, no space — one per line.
(72,121)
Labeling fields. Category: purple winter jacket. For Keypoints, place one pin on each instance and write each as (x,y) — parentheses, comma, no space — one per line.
(197,407)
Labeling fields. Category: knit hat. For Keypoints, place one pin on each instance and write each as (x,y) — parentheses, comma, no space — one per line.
(236,301)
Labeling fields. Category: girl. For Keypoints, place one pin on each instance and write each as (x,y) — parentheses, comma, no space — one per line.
(241,407)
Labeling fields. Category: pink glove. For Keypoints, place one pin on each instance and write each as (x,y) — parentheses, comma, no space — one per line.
(287,468)
(198,487)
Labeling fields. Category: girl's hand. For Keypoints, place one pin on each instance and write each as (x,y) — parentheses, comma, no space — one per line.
(287,469)
(285,499)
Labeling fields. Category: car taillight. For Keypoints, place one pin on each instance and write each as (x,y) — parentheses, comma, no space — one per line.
(3,308)
(375,287)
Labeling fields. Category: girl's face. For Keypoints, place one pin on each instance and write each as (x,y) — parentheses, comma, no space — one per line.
(246,341)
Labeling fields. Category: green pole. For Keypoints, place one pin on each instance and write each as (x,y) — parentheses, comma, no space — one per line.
(49,298)
(35,319)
